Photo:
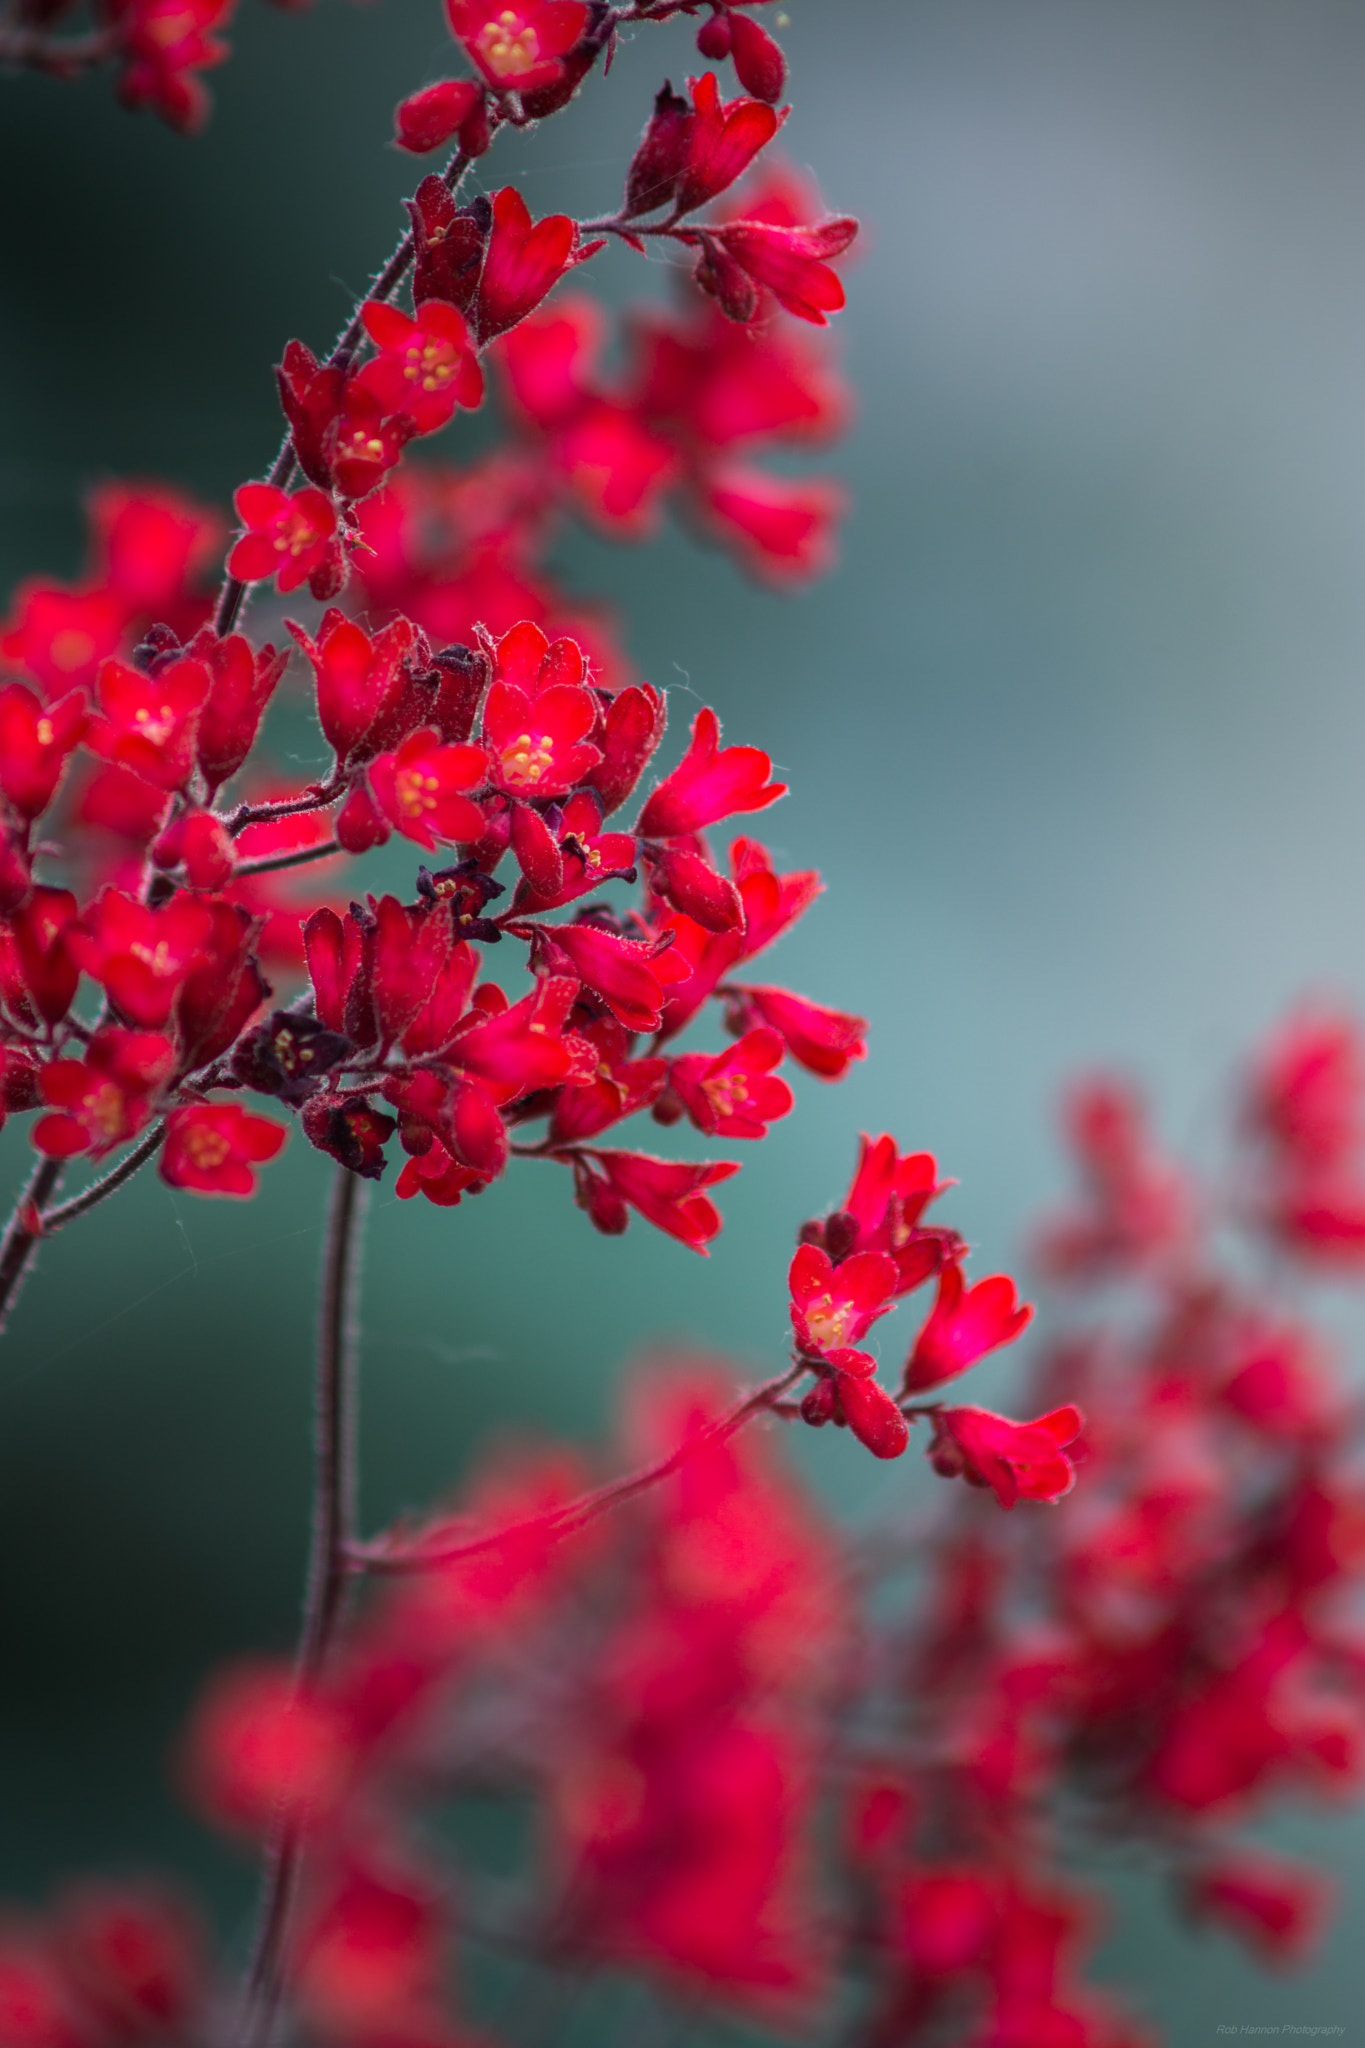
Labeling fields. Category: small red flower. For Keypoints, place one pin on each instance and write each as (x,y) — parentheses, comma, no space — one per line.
(141,957)
(35,742)
(211,1148)
(538,748)
(256,1747)
(522,262)
(1279,1908)
(242,680)
(783,527)
(364,441)
(151,722)
(60,637)
(964,1324)
(428,118)
(425,366)
(667,1192)
(791,263)
(436,1175)
(518,48)
(681,876)
(289,536)
(833,1307)
(104,1098)
(710,782)
(360,678)
(625,973)
(40,926)
(1020,1460)
(849,1393)
(421,788)
(823,1041)
(526,1047)
(722,142)
(736,1094)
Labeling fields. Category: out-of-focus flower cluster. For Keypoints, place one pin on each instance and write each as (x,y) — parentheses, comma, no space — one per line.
(759,1774)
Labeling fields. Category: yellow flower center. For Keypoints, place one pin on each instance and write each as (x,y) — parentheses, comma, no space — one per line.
(828,1325)
(207,1149)
(525,762)
(417,791)
(507,46)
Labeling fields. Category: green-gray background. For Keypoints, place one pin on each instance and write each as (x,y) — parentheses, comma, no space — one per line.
(1077,734)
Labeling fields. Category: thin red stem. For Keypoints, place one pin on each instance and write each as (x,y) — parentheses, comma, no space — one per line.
(386,1559)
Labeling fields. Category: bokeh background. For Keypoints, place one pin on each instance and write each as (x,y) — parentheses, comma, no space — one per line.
(1077,733)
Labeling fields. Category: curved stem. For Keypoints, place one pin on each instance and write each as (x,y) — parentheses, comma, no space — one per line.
(334,1510)
(24,1229)
(232,597)
(98,1191)
(297,859)
(384,1558)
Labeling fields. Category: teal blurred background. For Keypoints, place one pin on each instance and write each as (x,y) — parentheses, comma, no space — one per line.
(1076,733)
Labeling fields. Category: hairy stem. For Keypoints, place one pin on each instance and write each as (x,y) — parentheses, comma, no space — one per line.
(387,1558)
(24,1229)
(99,1190)
(334,1511)
(232,597)
(299,858)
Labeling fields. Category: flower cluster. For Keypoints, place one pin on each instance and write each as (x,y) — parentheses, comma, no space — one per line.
(763,1777)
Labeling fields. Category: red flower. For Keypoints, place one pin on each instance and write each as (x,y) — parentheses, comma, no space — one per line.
(1020,1460)
(518,48)
(522,262)
(849,1394)
(833,1307)
(734,1095)
(141,956)
(104,1098)
(363,442)
(59,636)
(374,969)
(150,542)
(1307,1093)
(40,926)
(722,142)
(539,748)
(823,1041)
(257,1747)
(710,782)
(293,536)
(34,745)
(617,1090)
(789,262)
(667,1193)
(360,678)
(526,1047)
(151,722)
(625,973)
(242,681)
(771,902)
(633,726)
(964,1324)
(163,41)
(211,1148)
(425,366)
(428,118)
(436,1175)
(420,788)
(683,877)
(1278,1907)
(783,526)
